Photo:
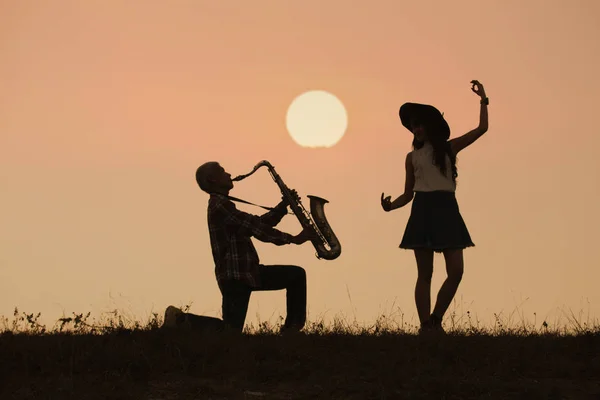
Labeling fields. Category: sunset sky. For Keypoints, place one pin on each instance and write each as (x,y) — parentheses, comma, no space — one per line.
(108,107)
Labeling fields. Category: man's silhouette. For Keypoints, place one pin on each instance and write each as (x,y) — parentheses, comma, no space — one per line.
(237,266)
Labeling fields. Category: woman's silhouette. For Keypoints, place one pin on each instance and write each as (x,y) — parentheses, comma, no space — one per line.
(435,223)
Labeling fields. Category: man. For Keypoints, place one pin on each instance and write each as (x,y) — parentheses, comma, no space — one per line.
(237,266)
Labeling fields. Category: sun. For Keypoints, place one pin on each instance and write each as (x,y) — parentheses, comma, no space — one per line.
(316,119)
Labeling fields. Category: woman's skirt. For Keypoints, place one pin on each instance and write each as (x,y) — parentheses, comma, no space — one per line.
(435,223)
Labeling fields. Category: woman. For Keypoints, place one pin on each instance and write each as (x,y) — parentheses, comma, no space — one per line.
(435,223)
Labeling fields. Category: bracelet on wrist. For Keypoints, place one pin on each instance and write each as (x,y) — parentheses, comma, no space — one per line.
(485,101)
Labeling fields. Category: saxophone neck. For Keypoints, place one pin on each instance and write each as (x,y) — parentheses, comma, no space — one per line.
(263,163)
(272,172)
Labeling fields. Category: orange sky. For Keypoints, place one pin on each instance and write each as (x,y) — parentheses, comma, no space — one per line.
(107,108)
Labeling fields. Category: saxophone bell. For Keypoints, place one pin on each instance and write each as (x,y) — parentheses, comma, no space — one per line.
(327,244)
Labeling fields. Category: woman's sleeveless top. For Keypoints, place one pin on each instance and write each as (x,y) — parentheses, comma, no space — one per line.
(428,177)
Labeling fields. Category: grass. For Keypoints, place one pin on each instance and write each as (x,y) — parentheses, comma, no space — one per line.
(120,358)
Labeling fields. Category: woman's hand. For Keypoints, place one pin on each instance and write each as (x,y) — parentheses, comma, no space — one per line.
(386,203)
(477,87)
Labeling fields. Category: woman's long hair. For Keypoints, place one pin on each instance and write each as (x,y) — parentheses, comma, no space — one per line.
(441,147)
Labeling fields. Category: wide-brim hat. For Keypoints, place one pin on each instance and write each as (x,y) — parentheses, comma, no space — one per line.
(426,114)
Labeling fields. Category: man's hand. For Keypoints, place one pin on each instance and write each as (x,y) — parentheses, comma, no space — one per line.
(477,87)
(282,205)
(293,194)
(303,236)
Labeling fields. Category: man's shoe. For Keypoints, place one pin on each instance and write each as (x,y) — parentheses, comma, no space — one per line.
(172,317)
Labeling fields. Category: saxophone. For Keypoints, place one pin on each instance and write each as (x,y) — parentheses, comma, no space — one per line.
(324,240)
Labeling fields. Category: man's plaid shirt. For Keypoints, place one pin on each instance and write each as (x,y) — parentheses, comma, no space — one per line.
(230,232)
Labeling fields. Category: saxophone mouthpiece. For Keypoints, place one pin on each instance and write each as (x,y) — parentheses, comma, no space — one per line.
(239,178)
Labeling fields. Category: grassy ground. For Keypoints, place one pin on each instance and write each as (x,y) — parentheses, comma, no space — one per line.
(115,359)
